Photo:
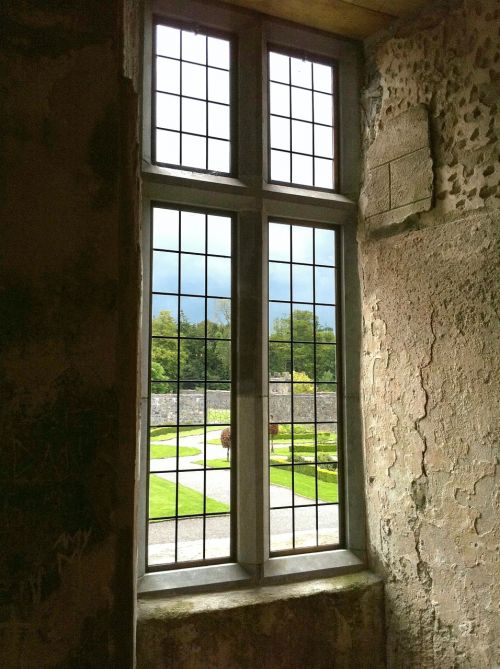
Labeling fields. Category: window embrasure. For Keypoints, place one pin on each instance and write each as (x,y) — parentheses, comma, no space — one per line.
(251,429)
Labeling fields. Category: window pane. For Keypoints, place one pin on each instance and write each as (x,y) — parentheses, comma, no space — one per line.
(302,283)
(168,41)
(194,151)
(218,52)
(219,277)
(168,113)
(322,77)
(190,371)
(218,318)
(302,244)
(192,274)
(279,67)
(280,360)
(193,232)
(192,316)
(303,322)
(218,120)
(194,80)
(300,121)
(325,246)
(301,72)
(164,315)
(323,141)
(280,133)
(323,173)
(194,47)
(167,147)
(165,229)
(280,166)
(323,111)
(280,99)
(279,321)
(218,155)
(165,272)
(219,235)
(325,285)
(168,75)
(192,68)
(303,458)
(279,281)
(218,86)
(325,323)
(194,116)
(302,169)
(302,137)
(279,241)
(301,104)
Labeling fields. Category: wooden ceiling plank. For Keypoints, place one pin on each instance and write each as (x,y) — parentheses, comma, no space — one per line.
(393,7)
(336,16)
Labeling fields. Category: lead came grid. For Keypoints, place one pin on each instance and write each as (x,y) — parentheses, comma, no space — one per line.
(303,462)
(190,371)
(191,108)
(301,123)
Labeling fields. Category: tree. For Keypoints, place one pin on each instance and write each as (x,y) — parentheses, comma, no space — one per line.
(306,386)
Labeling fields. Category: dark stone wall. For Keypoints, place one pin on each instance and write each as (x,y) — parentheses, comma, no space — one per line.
(68,333)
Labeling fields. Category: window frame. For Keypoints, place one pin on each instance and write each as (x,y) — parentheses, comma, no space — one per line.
(254,201)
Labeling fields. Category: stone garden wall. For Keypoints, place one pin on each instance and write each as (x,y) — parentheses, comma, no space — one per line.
(164,407)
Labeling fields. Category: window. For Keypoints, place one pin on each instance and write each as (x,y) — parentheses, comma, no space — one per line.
(251,463)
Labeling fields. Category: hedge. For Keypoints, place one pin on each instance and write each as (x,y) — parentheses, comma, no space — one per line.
(310,470)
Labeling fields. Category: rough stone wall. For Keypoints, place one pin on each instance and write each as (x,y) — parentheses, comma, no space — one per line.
(431,381)
(68,331)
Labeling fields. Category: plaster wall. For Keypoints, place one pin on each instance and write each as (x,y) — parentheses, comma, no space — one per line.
(69,302)
(431,345)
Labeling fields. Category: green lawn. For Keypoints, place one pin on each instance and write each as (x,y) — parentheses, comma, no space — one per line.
(214,464)
(168,451)
(305,485)
(162,500)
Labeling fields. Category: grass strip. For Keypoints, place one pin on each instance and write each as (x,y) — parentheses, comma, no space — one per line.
(162,500)
(158,451)
(305,485)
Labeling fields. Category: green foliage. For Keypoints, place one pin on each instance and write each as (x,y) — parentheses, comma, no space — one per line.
(222,416)
(165,352)
(326,475)
(162,500)
(303,359)
(306,386)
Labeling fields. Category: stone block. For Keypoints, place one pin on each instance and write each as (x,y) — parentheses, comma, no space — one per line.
(411,178)
(319,624)
(395,216)
(376,193)
(403,134)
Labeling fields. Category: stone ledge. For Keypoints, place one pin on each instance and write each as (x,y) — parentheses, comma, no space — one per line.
(270,627)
